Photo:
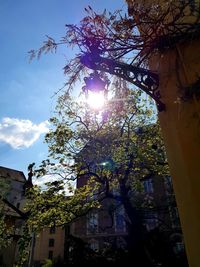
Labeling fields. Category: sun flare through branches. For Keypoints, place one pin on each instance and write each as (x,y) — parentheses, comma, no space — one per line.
(95,100)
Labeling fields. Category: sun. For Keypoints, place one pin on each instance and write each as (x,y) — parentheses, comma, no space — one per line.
(95,100)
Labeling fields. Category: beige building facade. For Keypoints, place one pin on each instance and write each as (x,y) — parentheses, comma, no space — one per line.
(49,244)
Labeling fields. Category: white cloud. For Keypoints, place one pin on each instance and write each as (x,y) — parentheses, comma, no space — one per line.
(20,133)
(51,178)
(43,180)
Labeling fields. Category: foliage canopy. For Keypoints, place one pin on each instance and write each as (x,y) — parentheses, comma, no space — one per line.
(118,146)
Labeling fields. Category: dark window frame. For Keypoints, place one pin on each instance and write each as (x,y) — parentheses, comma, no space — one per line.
(51,242)
(52,230)
(50,255)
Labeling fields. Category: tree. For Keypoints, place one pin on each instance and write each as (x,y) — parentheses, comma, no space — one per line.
(10,214)
(113,43)
(5,231)
(114,148)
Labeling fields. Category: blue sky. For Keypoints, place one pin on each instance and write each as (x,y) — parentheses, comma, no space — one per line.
(26,89)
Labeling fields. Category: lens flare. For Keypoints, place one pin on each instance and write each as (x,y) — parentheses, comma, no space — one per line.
(95,100)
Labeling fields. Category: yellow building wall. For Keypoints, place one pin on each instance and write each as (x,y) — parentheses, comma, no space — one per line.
(180,125)
(41,249)
(178,68)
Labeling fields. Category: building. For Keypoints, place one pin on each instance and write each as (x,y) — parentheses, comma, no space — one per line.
(49,244)
(178,79)
(103,227)
(13,199)
(107,225)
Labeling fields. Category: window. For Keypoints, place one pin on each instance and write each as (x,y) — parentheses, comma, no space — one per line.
(168,184)
(94,245)
(51,242)
(50,255)
(119,220)
(148,186)
(179,247)
(92,222)
(52,230)
(174,216)
(151,221)
(116,191)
